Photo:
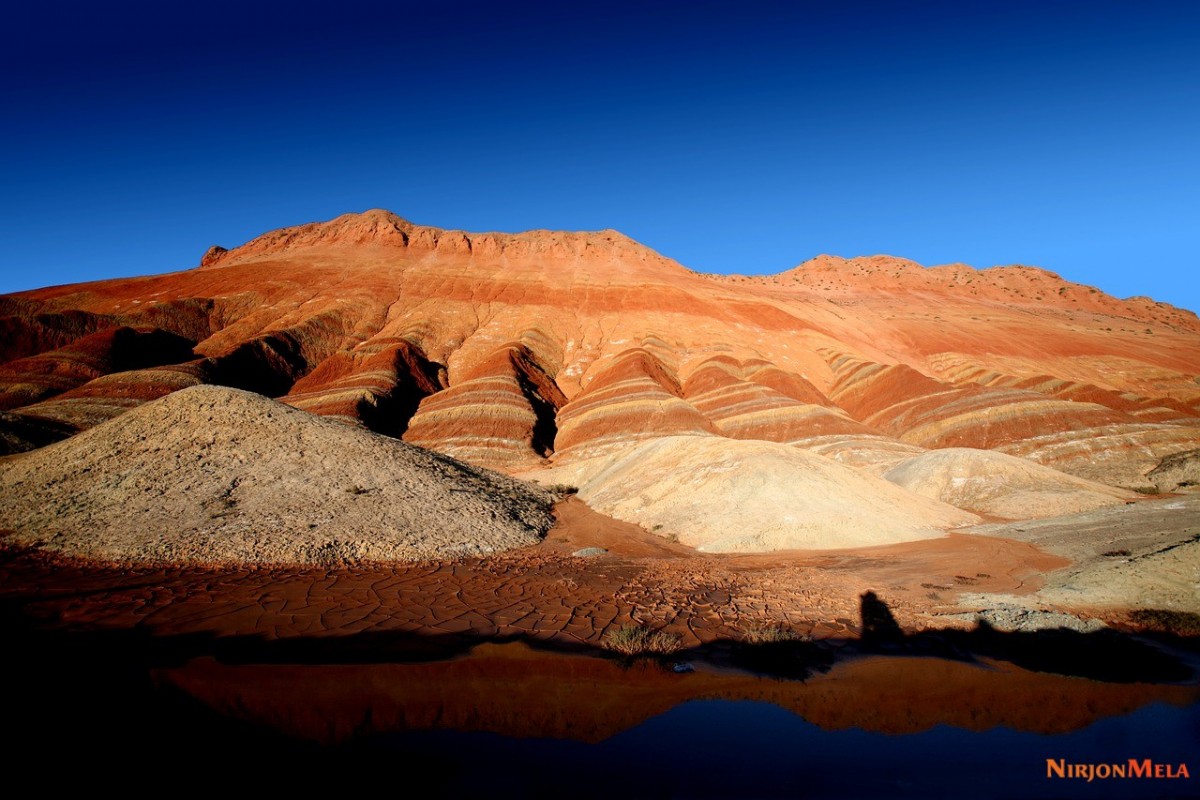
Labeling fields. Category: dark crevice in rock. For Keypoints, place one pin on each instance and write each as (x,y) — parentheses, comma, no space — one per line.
(416,378)
(272,363)
(544,398)
(269,366)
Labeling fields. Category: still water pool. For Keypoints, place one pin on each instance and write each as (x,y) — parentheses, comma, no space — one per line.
(508,720)
(719,748)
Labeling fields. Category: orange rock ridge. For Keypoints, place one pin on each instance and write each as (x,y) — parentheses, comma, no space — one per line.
(514,350)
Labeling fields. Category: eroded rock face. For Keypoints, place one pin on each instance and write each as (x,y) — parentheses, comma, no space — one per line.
(212,255)
(1177,471)
(502,413)
(541,348)
(758,401)
(1087,439)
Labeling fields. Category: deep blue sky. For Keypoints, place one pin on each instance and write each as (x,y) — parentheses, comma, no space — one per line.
(733,137)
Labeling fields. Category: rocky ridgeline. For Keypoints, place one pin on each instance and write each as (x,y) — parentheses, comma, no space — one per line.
(539,350)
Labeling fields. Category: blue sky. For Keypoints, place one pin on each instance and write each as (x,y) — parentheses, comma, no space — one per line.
(733,137)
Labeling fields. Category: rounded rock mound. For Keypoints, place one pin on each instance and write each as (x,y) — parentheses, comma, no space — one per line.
(210,474)
(742,496)
(1000,485)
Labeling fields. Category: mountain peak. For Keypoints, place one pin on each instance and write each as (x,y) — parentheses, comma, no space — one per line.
(380,227)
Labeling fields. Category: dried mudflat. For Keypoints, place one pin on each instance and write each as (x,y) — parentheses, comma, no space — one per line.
(545,593)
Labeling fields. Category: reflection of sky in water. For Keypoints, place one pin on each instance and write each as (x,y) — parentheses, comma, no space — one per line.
(718,748)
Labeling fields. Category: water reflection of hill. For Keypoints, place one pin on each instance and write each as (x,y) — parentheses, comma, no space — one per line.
(514,690)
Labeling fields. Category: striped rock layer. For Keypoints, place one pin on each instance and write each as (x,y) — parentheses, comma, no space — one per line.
(1083,438)
(520,350)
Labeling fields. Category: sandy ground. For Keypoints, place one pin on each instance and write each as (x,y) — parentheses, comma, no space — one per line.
(1098,564)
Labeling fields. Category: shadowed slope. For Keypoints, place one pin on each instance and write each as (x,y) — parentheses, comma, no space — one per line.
(35,378)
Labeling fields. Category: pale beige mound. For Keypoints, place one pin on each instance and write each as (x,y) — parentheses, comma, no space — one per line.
(729,495)
(874,454)
(1001,485)
(210,474)
(1178,471)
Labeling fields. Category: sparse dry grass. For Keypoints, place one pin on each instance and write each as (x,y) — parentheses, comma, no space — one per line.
(769,633)
(636,640)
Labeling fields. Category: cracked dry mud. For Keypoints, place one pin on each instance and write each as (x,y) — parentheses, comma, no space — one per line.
(542,593)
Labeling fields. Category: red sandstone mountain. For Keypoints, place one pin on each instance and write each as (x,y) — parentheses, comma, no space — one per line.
(520,350)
